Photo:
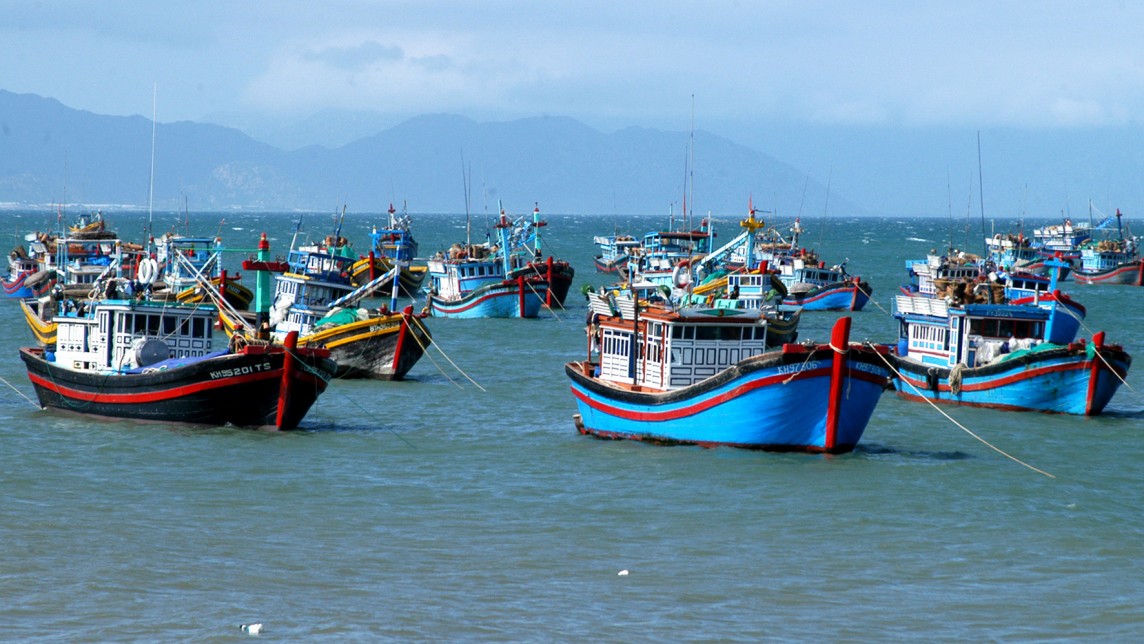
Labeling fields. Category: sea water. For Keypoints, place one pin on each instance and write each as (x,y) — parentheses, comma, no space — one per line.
(461,504)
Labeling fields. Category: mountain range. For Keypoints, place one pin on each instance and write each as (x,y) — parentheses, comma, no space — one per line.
(50,153)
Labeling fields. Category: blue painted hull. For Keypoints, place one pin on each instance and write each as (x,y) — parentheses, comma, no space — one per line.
(17,288)
(841,296)
(499,300)
(1059,379)
(610,265)
(1131,273)
(776,401)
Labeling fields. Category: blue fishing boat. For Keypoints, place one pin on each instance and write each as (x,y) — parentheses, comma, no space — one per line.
(1111,261)
(1062,240)
(472,281)
(928,277)
(813,286)
(806,279)
(1011,252)
(1008,356)
(389,246)
(615,252)
(21,266)
(707,377)
(199,265)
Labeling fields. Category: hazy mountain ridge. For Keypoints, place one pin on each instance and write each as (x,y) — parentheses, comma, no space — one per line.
(52,153)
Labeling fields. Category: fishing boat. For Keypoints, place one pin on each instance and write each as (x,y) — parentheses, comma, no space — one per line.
(528,259)
(472,281)
(745,284)
(313,298)
(77,270)
(1062,240)
(21,266)
(1017,252)
(1111,261)
(389,245)
(201,267)
(813,286)
(1008,356)
(88,225)
(707,377)
(661,252)
(125,357)
(925,275)
(615,252)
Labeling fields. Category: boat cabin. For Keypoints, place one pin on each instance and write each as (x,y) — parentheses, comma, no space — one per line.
(121,335)
(672,349)
(452,279)
(933,332)
(923,273)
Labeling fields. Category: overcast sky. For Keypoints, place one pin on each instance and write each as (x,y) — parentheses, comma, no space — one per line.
(609,64)
(753,67)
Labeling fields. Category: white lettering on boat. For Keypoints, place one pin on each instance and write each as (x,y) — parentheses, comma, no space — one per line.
(240,371)
(799,367)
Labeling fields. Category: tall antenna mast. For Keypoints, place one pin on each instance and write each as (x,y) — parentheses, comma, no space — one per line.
(151,187)
(691,166)
(981,192)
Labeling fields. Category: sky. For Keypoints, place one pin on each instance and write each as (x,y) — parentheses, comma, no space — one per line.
(754,71)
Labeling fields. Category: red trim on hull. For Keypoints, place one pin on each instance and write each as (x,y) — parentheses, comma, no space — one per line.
(691,410)
(150,396)
(993,384)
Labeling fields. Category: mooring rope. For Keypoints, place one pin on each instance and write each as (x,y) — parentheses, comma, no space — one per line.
(446,356)
(1089,330)
(24,395)
(537,294)
(558,303)
(425,352)
(959,425)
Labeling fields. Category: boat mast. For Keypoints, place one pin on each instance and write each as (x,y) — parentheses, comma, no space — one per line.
(691,166)
(981,194)
(151,181)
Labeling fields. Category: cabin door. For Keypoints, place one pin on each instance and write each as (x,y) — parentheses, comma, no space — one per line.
(954,341)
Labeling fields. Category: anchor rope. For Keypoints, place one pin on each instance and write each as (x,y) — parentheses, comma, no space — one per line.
(446,356)
(959,425)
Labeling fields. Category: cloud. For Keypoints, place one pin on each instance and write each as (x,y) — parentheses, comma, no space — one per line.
(357,57)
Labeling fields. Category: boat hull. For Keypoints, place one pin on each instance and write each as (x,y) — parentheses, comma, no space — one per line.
(15,287)
(559,281)
(1131,273)
(44,330)
(383,348)
(840,296)
(411,279)
(242,389)
(234,293)
(496,300)
(777,401)
(616,265)
(1066,379)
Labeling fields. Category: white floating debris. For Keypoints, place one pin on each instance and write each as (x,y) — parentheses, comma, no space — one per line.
(253,629)
(623,573)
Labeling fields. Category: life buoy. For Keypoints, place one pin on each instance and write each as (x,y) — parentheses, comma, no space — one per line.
(148,271)
(681,276)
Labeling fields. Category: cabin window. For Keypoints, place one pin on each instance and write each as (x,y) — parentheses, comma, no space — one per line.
(170,324)
(197,327)
(677,332)
(730,333)
(707,333)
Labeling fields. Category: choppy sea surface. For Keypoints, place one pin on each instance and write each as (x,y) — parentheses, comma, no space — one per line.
(437,509)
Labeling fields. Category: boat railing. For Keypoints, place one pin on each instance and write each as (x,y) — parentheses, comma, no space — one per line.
(921,305)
